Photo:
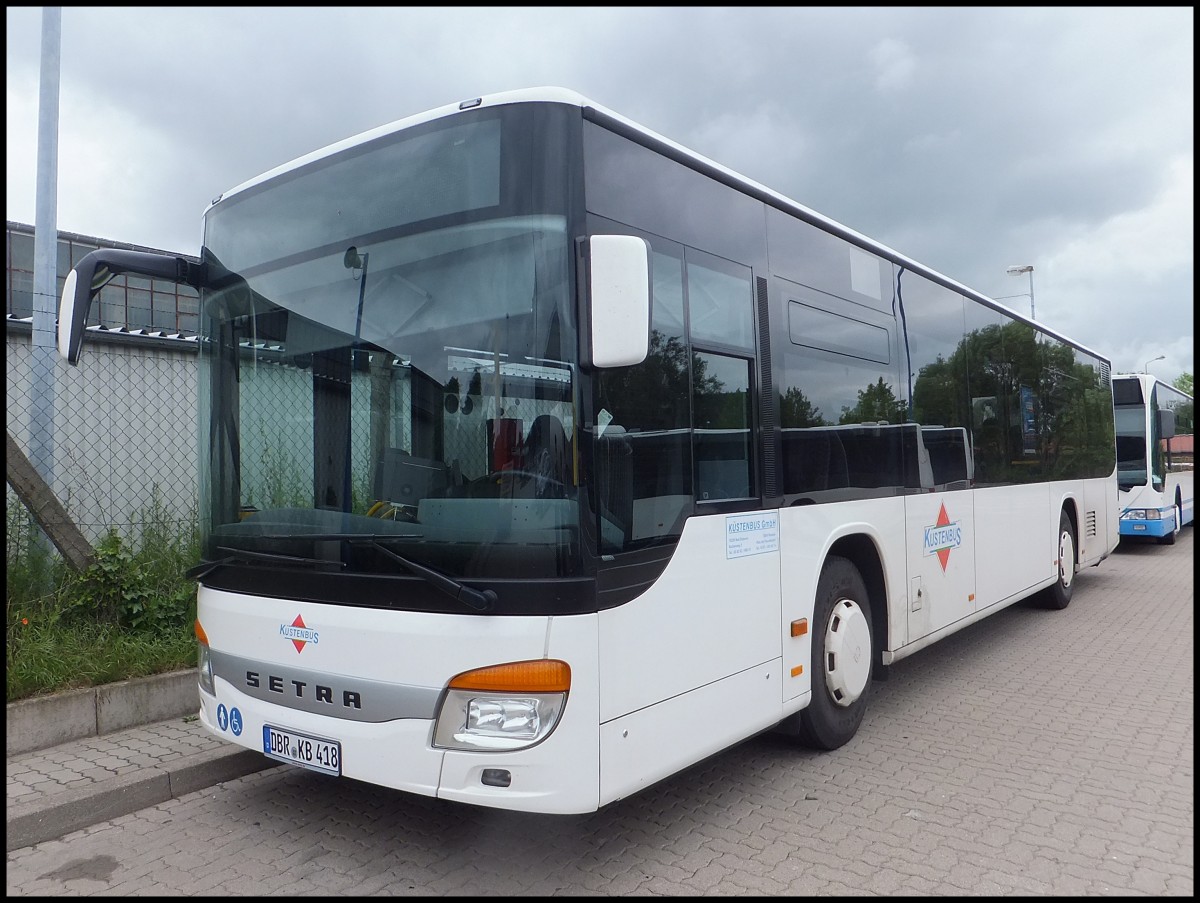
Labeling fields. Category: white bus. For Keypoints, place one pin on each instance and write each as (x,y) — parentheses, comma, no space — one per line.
(1155,458)
(543,458)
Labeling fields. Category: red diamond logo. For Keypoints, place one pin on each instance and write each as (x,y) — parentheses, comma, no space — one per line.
(942,554)
(299,622)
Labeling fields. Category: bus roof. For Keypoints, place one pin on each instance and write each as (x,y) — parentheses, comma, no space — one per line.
(1149,380)
(673,149)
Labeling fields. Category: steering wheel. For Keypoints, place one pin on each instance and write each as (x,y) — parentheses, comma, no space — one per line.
(545,484)
(390,511)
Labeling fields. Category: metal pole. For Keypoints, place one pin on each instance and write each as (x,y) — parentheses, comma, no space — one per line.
(45,253)
(1016,271)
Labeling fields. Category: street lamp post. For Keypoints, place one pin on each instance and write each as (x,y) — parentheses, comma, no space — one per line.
(1018,270)
(1161,357)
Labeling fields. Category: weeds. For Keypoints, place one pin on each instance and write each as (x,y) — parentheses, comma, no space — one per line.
(129,615)
(46,656)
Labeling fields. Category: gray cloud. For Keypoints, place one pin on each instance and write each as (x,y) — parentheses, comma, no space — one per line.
(967,138)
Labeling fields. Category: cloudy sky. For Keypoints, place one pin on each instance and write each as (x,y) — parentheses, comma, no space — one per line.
(968,139)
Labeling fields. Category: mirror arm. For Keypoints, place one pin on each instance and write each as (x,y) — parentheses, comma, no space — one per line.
(96,270)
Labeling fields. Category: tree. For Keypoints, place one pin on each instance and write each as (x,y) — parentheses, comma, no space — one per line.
(795,410)
(877,403)
(1183,382)
(653,395)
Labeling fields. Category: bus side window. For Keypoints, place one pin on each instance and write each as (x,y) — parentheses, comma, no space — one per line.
(720,306)
(643,478)
(949,456)
(721,408)
(815,460)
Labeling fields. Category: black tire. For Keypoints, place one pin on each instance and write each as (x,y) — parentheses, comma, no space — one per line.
(843,655)
(1059,595)
(1169,539)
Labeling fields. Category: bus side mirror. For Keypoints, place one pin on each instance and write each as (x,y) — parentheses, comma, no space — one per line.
(1166,424)
(618,288)
(94,272)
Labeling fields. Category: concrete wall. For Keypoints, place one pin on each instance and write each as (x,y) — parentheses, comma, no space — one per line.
(45,721)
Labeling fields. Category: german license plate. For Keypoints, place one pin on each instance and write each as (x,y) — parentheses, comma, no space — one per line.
(304,750)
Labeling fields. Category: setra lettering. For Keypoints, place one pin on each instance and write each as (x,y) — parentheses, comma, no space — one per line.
(350,699)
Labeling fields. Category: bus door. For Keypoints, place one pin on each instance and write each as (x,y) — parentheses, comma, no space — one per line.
(940,530)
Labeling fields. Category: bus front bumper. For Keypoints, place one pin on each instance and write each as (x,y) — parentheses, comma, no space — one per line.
(1147,522)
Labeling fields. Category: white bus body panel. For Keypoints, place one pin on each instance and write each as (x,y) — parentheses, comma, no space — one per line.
(422,650)
(1017,552)
(1183,482)
(1098,540)
(706,618)
(941,540)
(656,742)
(692,666)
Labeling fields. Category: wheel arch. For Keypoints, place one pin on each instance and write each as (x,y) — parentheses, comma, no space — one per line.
(862,551)
(1070,506)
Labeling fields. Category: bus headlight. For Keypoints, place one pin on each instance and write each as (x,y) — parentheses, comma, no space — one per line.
(1141,514)
(503,707)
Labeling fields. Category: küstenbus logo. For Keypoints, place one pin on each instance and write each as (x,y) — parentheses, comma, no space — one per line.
(299,633)
(941,537)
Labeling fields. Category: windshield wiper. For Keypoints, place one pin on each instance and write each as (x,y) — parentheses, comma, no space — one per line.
(206,567)
(479,600)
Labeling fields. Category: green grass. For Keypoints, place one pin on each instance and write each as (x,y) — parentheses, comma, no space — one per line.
(130,615)
(50,658)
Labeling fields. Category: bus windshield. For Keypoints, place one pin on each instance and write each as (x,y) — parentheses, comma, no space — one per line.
(1131,445)
(387,345)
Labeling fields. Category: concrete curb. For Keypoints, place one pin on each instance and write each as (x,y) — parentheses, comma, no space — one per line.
(45,721)
(36,822)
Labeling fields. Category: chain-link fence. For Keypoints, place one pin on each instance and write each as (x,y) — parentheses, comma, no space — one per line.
(121,440)
(454,431)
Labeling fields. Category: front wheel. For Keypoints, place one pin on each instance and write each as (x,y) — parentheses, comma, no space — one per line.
(1169,539)
(842,656)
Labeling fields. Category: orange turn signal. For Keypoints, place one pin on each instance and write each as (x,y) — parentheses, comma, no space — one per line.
(545,675)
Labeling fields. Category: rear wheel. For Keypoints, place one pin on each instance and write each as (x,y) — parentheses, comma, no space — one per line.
(842,657)
(1058,596)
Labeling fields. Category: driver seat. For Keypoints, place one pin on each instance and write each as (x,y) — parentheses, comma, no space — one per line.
(547,455)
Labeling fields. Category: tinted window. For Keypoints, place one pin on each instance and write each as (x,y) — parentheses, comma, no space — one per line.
(721,406)
(841,411)
(720,301)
